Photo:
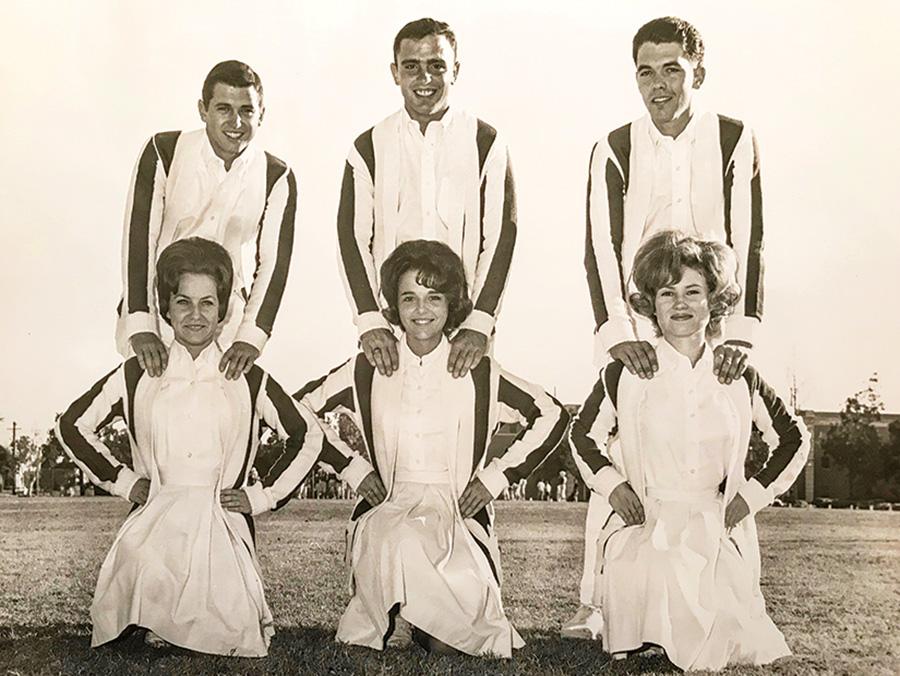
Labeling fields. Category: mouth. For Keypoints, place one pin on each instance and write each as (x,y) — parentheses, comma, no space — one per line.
(422,322)
(659,100)
(681,317)
(195,327)
(234,135)
(425,92)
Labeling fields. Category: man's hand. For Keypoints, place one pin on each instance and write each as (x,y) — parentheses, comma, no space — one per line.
(729,363)
(474,498)
(638,356)
(140,491)
(238,360)
(627,504)
(466,350)
(735,512)
(151,353)
(235,500)
(380,348)
(372,489)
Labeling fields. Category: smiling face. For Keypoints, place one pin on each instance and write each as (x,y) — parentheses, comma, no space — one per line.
(194,312)
(682,308)
(666,79)
(232,117)
(423,313)
(425,71)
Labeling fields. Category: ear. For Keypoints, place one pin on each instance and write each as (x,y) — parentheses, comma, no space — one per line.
(699,76)
(395,73)
(455,71)
(262,113)
(202,110)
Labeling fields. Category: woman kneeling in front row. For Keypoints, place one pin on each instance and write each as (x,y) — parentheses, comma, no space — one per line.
(427,556)
(681,567)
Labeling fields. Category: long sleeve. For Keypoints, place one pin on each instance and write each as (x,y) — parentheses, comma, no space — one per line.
(498,227)
(592,430)
(356,230)
(603,248)
(274,245)
(787,438)
(744,225)
(308,441)
(143,221)
(545,422)
(77,430)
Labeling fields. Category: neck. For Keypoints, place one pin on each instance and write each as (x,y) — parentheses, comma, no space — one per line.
(690,346)
(674,127)
(422,347)
(195,350)
(423,120)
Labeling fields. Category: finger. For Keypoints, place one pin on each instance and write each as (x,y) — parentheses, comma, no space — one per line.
(162,356)
(642,362)
(141,360)
(392,353)
(650,354)
(380,363)
(367,350)
(626,359)
(740,365)
(462,363)
(723,369)
(153,363)
(472,359)
(237,366)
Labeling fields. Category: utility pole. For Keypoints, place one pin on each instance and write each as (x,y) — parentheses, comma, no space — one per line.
(12,454)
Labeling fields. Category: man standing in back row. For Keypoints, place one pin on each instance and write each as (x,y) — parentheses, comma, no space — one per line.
(677,168)
(427,172)
(217,184)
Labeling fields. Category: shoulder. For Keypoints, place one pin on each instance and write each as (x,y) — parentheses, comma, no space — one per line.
(132,370)
(611,377)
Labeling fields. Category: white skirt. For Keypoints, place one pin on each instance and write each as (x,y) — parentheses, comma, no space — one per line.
(180,569)
(414,550)
(680,582)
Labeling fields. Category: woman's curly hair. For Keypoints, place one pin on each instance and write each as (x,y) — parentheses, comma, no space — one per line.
(437,267)
(199,256)
(661,262)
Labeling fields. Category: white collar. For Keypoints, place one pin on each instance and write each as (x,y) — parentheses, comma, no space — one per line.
(411,124)
(438,355)
(671,359)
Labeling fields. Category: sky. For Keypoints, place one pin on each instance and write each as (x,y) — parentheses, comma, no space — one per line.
(87,83)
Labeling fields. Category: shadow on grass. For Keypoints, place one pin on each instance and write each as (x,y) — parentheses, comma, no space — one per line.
(65,648)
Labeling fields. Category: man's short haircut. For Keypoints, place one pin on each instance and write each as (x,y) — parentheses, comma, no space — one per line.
(437,267)
(200,257)
(422,28)
(670,29)
(661,262)
(233,74)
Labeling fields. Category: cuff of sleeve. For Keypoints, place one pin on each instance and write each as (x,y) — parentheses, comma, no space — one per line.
(260,500)
(609,335)
(493,479)
(358,469)
(742,329)
(252,335)
(371,320)
(139,322)
(606,480)
(124,482)
(480,321)
(756,496)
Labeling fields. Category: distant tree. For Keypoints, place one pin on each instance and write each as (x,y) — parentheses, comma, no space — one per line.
(28,462)
(853,443)
(115,437)
(270,447)
(887,481)
(51,454)
(757,454)
(5,468)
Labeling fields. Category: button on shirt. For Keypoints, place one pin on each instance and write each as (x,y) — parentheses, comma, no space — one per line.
(423,159)
(422,445)
(670,200)
(687,424)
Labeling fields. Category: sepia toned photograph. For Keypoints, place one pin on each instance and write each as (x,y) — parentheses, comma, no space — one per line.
(472,338)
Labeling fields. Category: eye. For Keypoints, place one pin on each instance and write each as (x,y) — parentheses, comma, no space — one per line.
(665,293)
(181,301)
(439,67)
(673,70)
(436,297)
(410,67)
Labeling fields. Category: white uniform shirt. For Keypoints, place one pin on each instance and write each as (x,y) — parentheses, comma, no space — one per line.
(422,443)
(423,160)
(670,197)
(688,426)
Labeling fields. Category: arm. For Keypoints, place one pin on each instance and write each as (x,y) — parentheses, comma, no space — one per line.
(746,219)
(498,227)
(356,226)
(275,243)
(77,430)
(785,434)
(545,425)
(308,441)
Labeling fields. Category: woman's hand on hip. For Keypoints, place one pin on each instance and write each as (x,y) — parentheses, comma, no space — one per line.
(140,491)
(474,498)
(235,500)
(627,504)
(736,511)
(372,489)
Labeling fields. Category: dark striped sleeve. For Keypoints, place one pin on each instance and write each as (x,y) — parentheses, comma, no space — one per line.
(77,430)
(498,229)
(274,246)
(604,233)
(787,438)
(545,426)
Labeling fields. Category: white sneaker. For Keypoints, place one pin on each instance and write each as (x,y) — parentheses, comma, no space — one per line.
(401,637)
(155,641)
(587,622)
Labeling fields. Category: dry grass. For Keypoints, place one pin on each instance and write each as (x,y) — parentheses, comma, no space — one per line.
(831,578)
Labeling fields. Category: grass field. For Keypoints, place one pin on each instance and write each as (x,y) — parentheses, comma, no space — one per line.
(831,578)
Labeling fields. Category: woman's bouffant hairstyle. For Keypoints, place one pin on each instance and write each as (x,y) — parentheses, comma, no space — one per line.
(661,261)
(437,267)
(199,256)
